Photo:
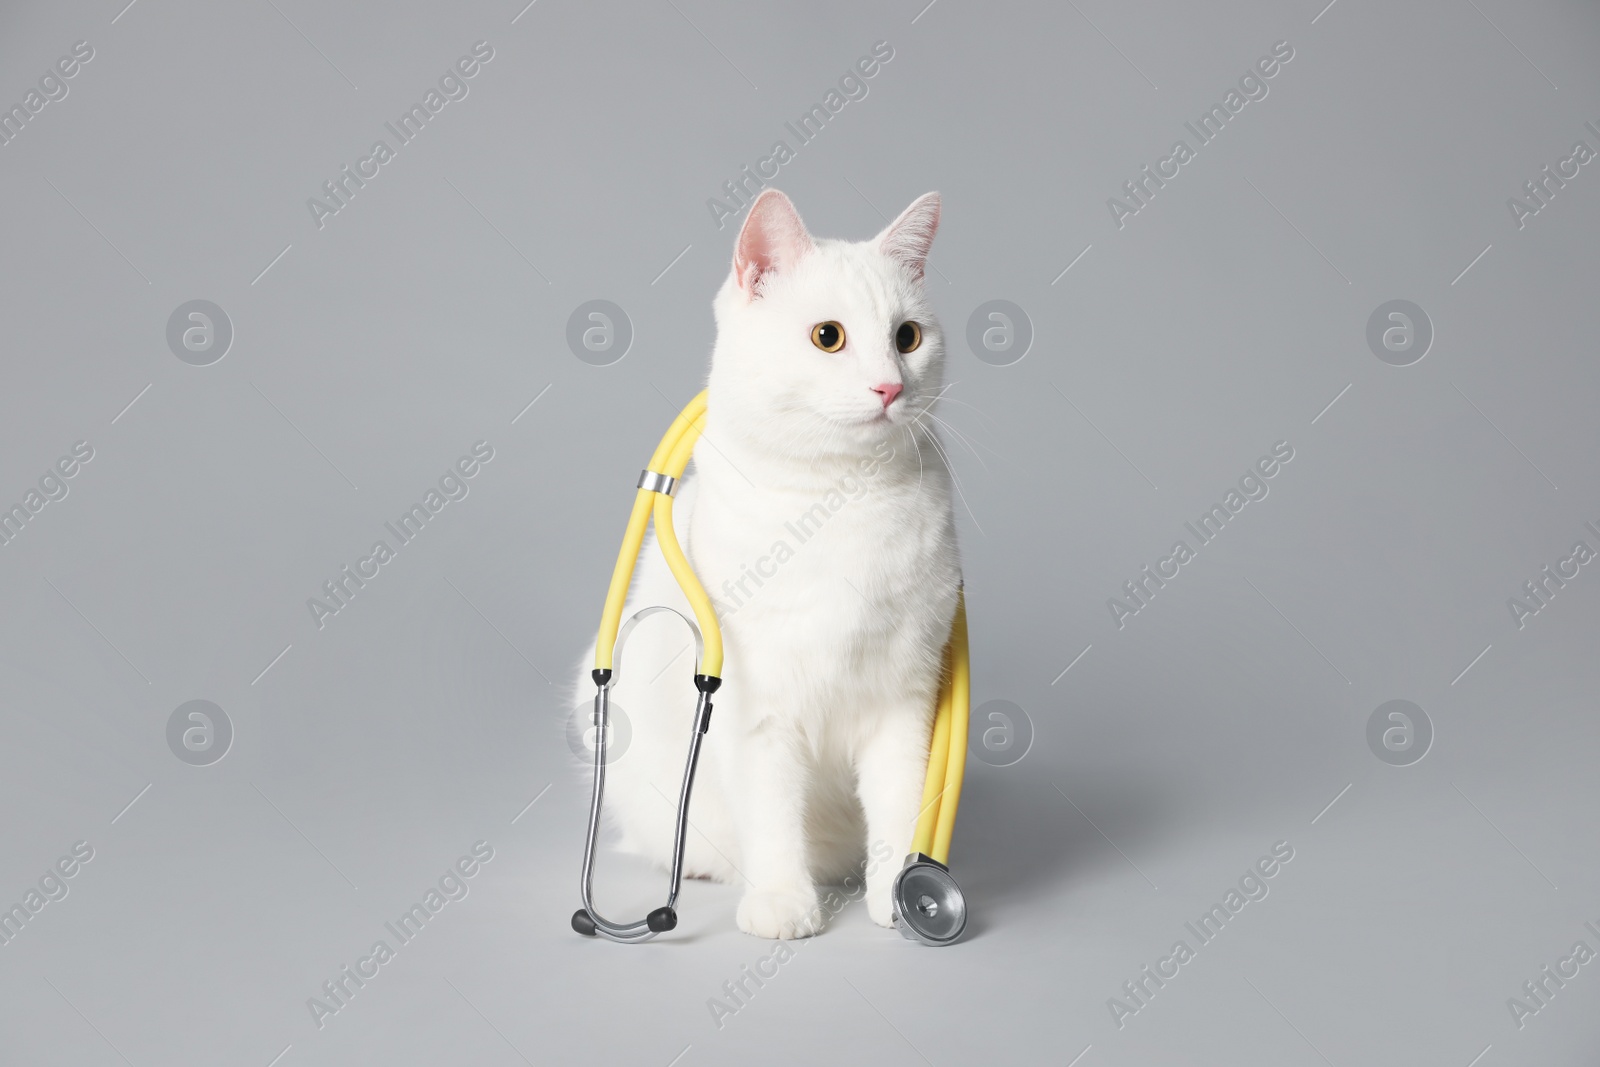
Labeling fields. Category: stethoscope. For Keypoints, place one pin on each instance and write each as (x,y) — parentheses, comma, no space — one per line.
(928,904)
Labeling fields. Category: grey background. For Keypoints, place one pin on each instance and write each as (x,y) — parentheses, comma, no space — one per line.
(1226,716)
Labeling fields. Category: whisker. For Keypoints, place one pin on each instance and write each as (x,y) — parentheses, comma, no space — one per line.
(981,413)
(961,437)
(936,397)
(955,479)
(912,434)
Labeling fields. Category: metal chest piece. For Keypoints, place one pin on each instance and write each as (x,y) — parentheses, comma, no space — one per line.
(928,905)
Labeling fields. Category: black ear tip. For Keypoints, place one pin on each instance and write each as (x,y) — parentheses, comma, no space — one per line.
(583,923)
(661,920)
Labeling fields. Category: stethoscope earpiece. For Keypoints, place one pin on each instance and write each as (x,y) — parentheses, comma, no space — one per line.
(587,920)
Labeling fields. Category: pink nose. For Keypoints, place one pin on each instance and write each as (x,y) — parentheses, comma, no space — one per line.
(888,390)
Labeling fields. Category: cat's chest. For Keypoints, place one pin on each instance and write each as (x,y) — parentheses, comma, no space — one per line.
(794,548)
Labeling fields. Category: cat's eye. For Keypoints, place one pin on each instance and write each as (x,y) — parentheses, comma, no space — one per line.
(908,337)
(828,336)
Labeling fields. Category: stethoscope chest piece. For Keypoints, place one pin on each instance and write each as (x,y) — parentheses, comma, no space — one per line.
(928,905)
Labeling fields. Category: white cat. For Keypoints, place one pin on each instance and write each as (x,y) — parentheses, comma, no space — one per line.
(822,527)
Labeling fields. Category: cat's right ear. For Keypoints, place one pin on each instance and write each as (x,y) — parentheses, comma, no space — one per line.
(772,240)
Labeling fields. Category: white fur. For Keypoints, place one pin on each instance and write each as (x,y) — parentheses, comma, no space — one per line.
(819,739)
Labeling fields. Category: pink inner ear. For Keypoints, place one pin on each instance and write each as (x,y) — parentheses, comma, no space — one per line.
(773,239)
(909,237)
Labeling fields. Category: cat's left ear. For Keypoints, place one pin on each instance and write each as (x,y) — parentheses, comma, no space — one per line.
(908,238)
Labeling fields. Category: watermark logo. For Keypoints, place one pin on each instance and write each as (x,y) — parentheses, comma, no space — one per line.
(1543,187)
(740,990)
(1542,588)
(52,88)
(599,332)
(342,589)
(52,886)
(737,592)
(1399,333)
(451,886)
(199,733)
(53,485)
(453,85)
(199,333)
(999,333)
(1252,887)
(1542,988)
(1141,589)
(1252,86)
(583,732)
(1399,733)
(742,189)
(1000,734)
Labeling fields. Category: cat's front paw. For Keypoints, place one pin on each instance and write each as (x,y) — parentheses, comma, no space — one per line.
(880,903)
(780,914)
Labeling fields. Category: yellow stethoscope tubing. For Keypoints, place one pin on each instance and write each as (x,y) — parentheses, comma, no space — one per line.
(938,758)
(678,563)
(947,762)
(670,458)
(941,790)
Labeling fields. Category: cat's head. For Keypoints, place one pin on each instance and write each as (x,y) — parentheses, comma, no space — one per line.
(826,348)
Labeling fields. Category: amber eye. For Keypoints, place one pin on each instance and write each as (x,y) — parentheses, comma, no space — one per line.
(828,336)
(908,337)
